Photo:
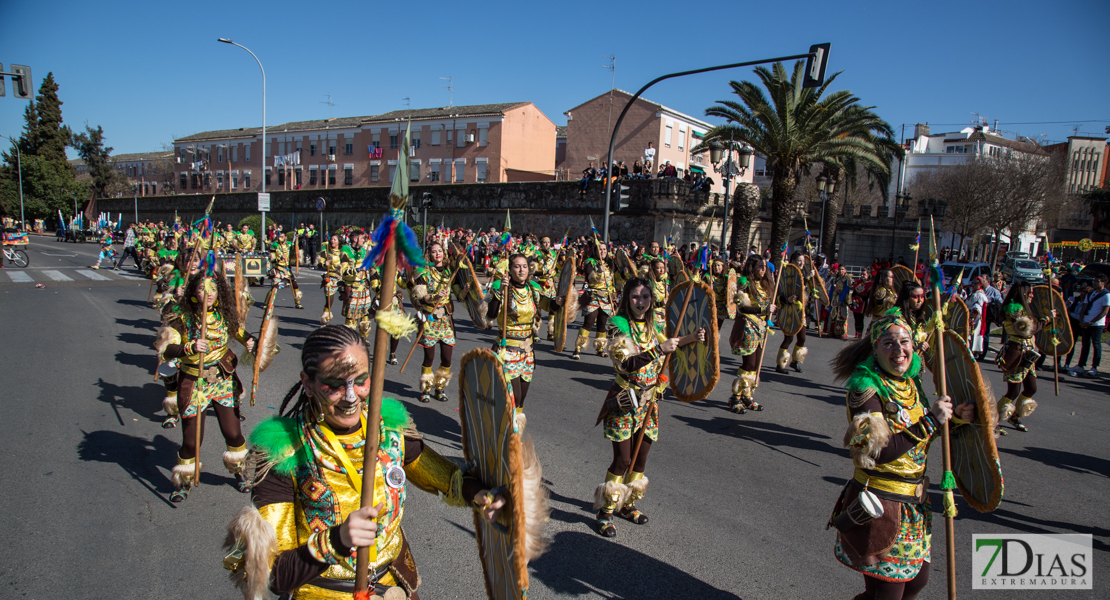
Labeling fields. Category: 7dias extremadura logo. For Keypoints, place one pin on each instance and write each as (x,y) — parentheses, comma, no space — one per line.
(1031,561)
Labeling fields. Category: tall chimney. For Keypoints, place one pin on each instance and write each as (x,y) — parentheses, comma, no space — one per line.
(920,130)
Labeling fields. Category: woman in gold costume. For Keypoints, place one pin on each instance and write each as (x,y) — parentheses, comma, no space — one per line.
(749,331)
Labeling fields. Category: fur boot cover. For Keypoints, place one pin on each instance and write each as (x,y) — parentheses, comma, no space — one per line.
(582,340)
(636,490)
(297,295)
(169,405)
(536,511)
(744,382)
(783,358)
(252,539)
(610,492)
(233,460)
(1025,406)
(183,475)
(800,353)
(1006,408)
(427,381)
(520,422)
(325,317)
(442,377)
(867,435)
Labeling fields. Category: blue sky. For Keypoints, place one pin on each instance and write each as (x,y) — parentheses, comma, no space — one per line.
(150,71)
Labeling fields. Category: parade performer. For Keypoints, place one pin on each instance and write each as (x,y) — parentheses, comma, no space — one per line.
(207,373)
(883,296)
(911,302)
(599,302)
(547,276)
(861,294)
(798,356)
(841,298)
(106,250)
(749,331)
(298,537)
(396,306)
(356,289)
(431,296)
(280,270)
(891,425)
(630,411)
(660,289)
(518,324)
(717,278)
(331,258)
(1019,356)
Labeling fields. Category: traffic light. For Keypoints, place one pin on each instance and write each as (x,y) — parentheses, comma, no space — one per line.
(815,66)
(623,198)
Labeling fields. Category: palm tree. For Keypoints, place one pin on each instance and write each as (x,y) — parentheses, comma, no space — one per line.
(795,128)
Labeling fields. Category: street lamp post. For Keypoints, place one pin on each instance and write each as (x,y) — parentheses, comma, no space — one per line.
(262,175)
(728,170)
(826,186)
(19,168)
(135,196)
(901,206)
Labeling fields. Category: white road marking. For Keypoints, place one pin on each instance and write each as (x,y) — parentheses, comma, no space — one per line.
(19,276)
(56,276)
(94,275)
(49,254)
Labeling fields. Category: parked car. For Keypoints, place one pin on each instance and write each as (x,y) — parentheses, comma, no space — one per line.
(1022,269)
(952,269)
(1016,254)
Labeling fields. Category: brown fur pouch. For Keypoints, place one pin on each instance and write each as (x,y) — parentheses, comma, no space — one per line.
(875,536)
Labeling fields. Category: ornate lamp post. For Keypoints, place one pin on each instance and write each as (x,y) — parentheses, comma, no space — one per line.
(901,206)
(728,170)
(826,186)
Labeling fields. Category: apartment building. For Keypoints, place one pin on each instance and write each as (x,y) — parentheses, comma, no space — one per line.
(453,144)
(149,173)
(671,133)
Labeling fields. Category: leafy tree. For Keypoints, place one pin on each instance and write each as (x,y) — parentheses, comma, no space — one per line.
(795,128)
(90,146)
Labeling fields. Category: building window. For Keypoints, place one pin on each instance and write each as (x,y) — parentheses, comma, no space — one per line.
(269,174)
(667,136)
(348,175)
(435,137)
(247,152)
(298,176)
(392,172)
(219,180)
(281,176)
(220,154)
(416,140)
(393,141)
(331,148)
(483,136)
(331,175)
(681,140)
(312,149)
(235,180)
(460,138)
(312,177)
(374,173)
(235,154)
(247,179)
(184,181)
(298,147)
(414,172)
(460,168)
(207,180)
(481,172)
(433,174)
(349,147)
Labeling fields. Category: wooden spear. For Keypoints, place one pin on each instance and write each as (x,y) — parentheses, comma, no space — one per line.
(942,390)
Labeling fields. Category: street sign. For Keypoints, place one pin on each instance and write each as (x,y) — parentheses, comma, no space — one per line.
(264,201)
(321,204)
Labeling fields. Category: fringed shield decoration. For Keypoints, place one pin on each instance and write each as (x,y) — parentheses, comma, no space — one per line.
(792,316)
(1055,338)
(565,314)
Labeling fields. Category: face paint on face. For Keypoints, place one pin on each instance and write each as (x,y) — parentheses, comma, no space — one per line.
(519,270)
(341,387)
(639,301)
(436,254)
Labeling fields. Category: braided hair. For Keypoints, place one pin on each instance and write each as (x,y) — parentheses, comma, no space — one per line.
(326,340)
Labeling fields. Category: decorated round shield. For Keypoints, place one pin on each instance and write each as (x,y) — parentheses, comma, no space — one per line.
(974,454)
(792,316)
(732,291)
(468,289)
(675,266)
(694,368)
(492,444)
(1055,338)
(565,289)
(624,264)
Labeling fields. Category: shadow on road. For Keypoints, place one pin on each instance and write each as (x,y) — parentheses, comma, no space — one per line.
(429,421)
(143,324)
(1029,524)
(770,435)
(137,457)
(1068,461)
(145,400)
(142,339)
(130,302)
(580,564)
(146,362)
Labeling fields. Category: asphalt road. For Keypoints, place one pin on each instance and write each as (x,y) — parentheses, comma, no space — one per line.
(738,504)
